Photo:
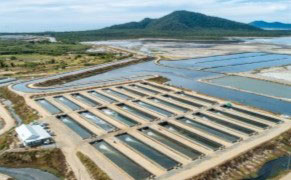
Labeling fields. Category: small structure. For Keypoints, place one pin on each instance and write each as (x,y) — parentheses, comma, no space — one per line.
(33,135)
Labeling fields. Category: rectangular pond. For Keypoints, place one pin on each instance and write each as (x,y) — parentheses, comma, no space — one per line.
(151,91)
(102,97)
(149,152)
(119,117)
(257,115)
(172,143)
(86,100)
(137,112)
(122,161)
(208,129)
(98,121)
(254,85)
(70,104)
(183,101)
(48,106)
(192,136)
(118,94)
(76,127)
(196,98)
(138,93)
(240,118)
(169,104)
(225,123)
(154,108)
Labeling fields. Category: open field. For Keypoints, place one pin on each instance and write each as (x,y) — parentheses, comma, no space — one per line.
(24,59)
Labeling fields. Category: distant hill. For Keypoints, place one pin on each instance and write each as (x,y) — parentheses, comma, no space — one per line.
(179,25)
(184,21)
(272,25)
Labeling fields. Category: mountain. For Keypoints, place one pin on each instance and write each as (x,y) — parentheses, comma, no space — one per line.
(177,25)
(184,21)
(272,25)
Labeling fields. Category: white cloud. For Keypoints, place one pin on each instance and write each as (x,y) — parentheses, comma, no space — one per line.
(41,14)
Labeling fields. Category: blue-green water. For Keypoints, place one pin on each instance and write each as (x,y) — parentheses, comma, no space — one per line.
(272,168)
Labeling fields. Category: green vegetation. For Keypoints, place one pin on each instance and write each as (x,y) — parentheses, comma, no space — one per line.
(159,80)
(13,47)
(184,21)
(26,113)
(6,139)
(20,59)
(95,172)
(52,161)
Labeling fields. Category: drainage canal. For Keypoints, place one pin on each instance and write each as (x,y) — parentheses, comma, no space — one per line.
(65,101)
(98,121)
(177,146)
(192,136)
(102,97)
(155,108)
(226,124)
(208,129)
(183,101)
(149,152)
(118,94)
(197,98)
(171,105)
(132,91)
(151,91)
(48,106)
(85,99)
(137,112)
(250,113)
(239,118)
(122,161)
(119,117)
(76,127)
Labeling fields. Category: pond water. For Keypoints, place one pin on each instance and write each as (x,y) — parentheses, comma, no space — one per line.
(27,174)
(272,168)
(254,85)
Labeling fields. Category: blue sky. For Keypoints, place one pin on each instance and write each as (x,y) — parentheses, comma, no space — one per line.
(65,15)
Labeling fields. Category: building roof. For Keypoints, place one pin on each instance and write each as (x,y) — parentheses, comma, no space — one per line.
(29,133)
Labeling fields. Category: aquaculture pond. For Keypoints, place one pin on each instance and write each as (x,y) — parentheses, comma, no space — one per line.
(182,76)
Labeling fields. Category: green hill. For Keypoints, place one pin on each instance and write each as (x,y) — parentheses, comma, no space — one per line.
(184,21)
(179,25)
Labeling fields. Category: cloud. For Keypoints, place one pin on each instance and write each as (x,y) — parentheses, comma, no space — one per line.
(40,15)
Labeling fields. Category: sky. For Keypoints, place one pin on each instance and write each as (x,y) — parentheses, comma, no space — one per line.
(73,15)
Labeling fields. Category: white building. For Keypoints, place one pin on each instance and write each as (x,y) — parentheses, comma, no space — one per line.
(32,135)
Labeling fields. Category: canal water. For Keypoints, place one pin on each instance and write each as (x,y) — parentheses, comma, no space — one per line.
(27,174)
(272,168)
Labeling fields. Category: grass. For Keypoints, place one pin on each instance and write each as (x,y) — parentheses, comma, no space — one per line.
(6,139)
(159,80)
(21,59)
(52,161)
(26,113)
(95,172)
